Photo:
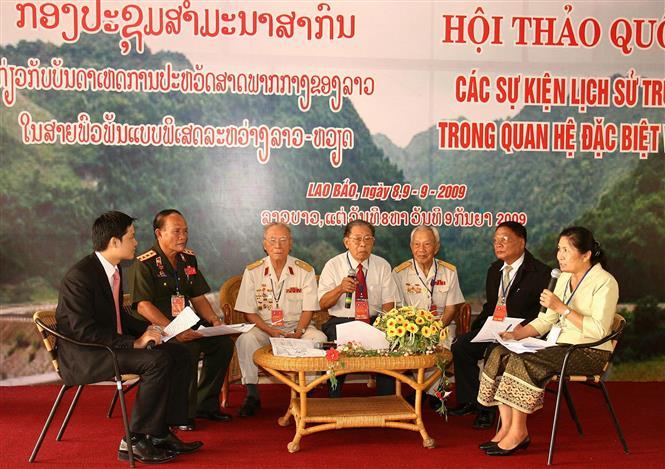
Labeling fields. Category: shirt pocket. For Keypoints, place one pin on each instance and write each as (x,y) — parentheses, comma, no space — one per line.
(374,298)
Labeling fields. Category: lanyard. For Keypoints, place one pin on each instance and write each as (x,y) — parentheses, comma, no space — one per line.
(432,283)
(572,293)
(361,288)
(279,295)
(177,278)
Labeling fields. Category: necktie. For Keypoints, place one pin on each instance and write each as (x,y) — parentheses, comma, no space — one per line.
(361,287)
(116,300)
(505,283)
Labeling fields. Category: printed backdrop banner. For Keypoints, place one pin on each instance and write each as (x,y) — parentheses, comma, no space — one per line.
(455,114)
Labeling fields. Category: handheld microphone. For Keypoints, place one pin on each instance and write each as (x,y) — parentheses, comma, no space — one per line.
(349,295)
(151,343)
(554,277)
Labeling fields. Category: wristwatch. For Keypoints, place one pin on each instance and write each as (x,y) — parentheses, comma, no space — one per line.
(566,313)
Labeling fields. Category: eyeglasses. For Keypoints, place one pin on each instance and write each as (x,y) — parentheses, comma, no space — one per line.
(501,241)
(276,241)
(358,239)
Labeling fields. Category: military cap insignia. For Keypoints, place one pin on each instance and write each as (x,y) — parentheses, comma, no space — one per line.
(447,265)
(304,265)
(255,264)
(402,266)
(147,255)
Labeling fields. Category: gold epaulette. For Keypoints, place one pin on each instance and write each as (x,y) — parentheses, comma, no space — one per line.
(447,265)
(304,265)
(147,255)
(189,251)
(402,266)
(255,264)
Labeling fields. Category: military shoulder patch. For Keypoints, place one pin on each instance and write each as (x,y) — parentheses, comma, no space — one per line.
(189,251)
(402,266)
(147,255)
(255,264)
(447,265)
(304,265)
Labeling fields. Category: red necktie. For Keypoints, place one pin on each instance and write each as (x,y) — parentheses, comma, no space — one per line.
(361,287)
(116,300)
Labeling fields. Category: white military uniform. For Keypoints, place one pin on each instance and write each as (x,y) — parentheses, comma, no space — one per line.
(261,292)
(439,287)
(380,284)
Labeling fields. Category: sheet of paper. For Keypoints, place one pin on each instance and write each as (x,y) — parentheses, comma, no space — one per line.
(526,345)
(183,321)
(369,337)
(553,335)
(282,347)
(486,333)
(224,329)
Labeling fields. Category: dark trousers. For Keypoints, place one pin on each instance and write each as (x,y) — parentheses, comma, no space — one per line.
(385,385)
(465,357)
(217,353)
(161,399)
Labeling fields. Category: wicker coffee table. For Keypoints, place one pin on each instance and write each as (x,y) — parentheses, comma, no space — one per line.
(314,415)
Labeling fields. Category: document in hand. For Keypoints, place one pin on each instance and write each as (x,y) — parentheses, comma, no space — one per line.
(369,337)
(526,345)
(295,348)
(486,333)
(183,321)
(224,329)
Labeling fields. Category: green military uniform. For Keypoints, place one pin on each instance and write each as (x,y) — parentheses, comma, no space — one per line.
(152,278)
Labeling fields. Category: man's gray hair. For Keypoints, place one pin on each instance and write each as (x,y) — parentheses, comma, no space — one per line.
(432,229)
(272,225)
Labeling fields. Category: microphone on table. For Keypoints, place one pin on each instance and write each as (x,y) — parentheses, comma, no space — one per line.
(349,295)
(554,277)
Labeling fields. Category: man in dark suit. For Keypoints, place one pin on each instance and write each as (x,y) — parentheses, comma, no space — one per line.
(89,310)
(514,283)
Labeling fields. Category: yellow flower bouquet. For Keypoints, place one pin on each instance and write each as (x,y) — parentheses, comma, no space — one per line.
(410,329)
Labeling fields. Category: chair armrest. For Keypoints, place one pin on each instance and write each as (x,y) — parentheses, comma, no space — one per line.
(607,338)
(61,336)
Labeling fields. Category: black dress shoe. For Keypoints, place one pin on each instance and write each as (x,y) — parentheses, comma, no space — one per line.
(249,406)
(190,426)
(172,443)
(487,445)
(484,419)
(144,451)
(498,451)
(216,415)
(463,409)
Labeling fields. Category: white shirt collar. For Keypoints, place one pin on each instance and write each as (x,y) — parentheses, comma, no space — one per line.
(286,270)
(109,268)
(354,262)
(515,265)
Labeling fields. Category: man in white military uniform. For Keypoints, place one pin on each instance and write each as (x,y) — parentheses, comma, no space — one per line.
(278,294)
(426,282)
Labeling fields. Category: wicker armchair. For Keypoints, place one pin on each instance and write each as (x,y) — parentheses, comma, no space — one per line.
(228,293)
(594,381)
(46,325)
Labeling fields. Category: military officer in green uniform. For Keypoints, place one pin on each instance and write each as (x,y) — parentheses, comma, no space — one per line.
(162,281)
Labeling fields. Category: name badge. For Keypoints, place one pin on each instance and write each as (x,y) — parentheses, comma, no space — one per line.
(500,312)
(362,310)
(177,304)
(277,317)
